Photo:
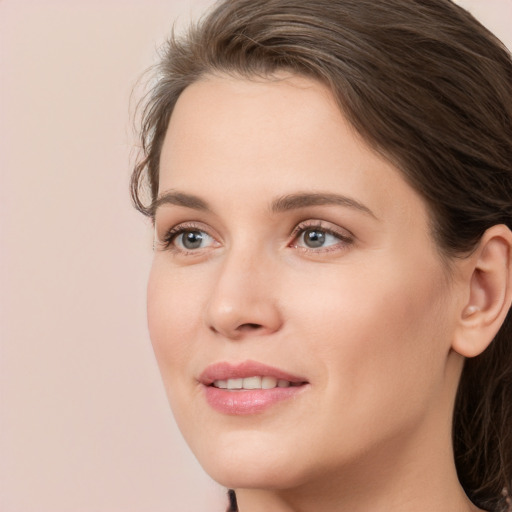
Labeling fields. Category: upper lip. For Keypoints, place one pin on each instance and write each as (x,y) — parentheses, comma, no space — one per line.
(224,371)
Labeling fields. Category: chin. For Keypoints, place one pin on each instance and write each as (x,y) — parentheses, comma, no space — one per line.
(250,460)
(241,474)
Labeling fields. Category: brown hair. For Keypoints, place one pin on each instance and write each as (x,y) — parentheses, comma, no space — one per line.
(428,87)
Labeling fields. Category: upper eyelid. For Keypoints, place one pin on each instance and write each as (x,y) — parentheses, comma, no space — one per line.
(186,225)
(201,226)
(325,226)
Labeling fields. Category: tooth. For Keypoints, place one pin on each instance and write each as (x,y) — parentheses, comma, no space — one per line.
(235,383)
(283,383)
(268,382)
(222,384)
(252,383)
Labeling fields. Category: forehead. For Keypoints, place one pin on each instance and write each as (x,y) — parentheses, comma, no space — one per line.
(258,138)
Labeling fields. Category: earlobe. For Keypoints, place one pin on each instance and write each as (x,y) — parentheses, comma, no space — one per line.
(490,292)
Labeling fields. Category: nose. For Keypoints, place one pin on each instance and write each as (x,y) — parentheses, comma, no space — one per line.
(244,298)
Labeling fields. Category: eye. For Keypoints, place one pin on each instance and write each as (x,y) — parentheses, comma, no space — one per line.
(315,238)
(186,238)
(190,240)
(318,237)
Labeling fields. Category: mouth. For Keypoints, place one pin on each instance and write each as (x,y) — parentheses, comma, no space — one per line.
(266,382)
(249,387)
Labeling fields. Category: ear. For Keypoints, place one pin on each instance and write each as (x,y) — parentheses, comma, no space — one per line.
(489,283)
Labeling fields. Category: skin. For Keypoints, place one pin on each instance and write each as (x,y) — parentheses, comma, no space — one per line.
(368,319)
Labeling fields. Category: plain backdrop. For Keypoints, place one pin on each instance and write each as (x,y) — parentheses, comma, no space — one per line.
(84,422)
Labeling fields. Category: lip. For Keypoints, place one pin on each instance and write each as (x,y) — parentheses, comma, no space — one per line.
(250,401)
(225,370)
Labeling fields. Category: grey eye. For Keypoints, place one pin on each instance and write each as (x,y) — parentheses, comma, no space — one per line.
(316,237)
(313,238)
(193,239)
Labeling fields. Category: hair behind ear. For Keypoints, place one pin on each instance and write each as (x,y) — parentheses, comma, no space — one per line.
(482,427)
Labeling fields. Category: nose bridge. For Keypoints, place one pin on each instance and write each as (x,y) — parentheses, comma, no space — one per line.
(243,297)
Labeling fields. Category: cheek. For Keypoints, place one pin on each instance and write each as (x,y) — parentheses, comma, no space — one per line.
(377,330)
(376,346)
(173,310)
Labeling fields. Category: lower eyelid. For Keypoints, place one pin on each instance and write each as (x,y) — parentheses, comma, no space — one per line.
(332,247)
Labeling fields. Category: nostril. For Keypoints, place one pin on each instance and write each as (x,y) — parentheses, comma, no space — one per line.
(249,327)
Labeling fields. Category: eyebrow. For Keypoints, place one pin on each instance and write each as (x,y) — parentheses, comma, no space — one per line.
(178,199)
(303,200)
(279,205)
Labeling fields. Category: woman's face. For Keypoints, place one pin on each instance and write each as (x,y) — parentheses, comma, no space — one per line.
(288,249)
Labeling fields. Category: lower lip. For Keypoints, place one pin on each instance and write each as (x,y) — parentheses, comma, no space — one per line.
(248,401)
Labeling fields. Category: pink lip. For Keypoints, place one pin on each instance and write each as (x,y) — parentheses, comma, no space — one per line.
(246,402)
(224,371)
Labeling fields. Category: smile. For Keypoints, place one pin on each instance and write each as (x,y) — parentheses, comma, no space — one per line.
(248,388)
(253,383)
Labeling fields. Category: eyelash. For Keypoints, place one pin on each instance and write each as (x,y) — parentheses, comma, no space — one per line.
(173,233)
(167,243)
(343,239)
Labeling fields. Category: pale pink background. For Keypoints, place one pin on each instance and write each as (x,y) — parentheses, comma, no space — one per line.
(84,423)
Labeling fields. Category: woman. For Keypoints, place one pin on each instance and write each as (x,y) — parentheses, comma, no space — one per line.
(331,189)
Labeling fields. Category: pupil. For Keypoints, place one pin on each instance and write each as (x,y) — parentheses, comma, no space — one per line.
(192,239)
(314,238)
